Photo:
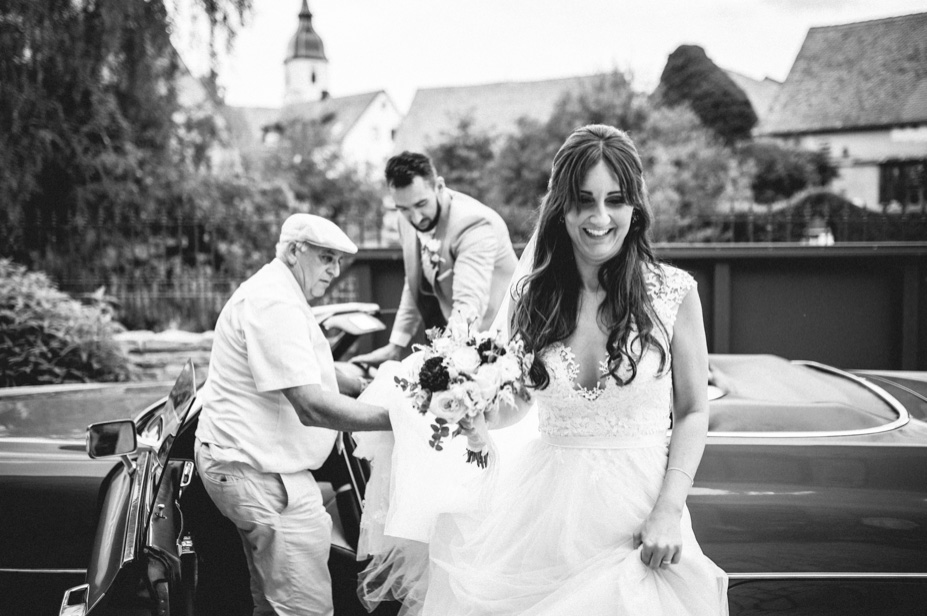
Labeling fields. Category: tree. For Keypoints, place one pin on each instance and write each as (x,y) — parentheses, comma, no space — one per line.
(522,167)
(689,172)
(520,175)
(782,171)
(691,78)
(87,107)
(607,99)
(311,168)
(464,156)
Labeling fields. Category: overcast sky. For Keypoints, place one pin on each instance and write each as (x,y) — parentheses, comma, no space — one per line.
(402,45)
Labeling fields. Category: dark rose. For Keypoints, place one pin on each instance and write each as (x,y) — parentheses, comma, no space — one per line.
(434,375)
(489,351)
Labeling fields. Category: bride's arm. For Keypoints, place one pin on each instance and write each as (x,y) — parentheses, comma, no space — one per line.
(476,429)
(508,414)
(660,534)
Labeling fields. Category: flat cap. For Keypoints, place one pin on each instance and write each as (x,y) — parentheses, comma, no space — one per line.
(317,231)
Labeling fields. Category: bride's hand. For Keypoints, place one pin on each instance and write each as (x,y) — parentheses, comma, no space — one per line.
(475,429)
(660,539)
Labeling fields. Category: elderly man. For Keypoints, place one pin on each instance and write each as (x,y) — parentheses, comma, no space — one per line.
(457,254)
(271,409)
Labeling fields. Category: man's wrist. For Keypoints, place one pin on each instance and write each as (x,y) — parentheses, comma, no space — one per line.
(400,339)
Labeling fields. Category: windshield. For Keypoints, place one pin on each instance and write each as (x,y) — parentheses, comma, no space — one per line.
(763,393)
(66,411)
(175,410)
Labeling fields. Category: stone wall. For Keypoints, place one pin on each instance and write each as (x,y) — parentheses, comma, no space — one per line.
(160,356)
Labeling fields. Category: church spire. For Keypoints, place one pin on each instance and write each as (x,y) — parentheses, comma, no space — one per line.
(306,43)
(306,66)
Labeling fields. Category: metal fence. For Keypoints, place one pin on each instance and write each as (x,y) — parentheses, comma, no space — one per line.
(851,305)
(179,272)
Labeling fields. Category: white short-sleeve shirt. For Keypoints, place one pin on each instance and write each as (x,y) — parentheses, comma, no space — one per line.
(266,340)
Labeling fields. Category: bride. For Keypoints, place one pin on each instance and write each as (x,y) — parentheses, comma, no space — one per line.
(588,516)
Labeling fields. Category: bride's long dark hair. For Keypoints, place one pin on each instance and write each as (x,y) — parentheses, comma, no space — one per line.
(547,299)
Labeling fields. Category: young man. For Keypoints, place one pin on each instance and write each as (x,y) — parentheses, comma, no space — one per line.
(457,254)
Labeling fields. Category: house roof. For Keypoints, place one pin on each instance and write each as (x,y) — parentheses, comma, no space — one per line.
(494,107)
(246,124)
(340,113)
(860,75)
(760,93)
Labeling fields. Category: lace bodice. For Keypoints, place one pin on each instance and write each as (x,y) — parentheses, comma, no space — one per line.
(640,408)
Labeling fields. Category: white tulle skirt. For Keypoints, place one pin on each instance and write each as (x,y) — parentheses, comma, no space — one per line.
(549,532)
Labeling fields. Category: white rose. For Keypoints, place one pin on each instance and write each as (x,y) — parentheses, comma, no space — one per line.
(447,406)
(472,397)
(466,359)
(413,365)
(488,378)
(443,346)
(508,368)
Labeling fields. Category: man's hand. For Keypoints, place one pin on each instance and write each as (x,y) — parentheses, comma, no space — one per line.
(375,358)
(352,379)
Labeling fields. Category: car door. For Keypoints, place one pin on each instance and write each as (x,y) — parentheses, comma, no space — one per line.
(137,563)
(816,521)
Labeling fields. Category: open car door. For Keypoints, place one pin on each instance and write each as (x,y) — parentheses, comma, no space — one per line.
(142,556)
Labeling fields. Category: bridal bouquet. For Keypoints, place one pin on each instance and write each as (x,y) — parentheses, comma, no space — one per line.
(464,373)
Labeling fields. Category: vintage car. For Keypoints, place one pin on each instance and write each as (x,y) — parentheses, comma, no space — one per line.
(812,495)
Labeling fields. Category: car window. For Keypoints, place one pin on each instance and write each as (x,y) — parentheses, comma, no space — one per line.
(65,412)
(763,393)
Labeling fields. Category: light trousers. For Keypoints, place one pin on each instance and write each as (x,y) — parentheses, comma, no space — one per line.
(285,532)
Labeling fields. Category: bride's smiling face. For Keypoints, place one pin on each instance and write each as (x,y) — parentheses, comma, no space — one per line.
(599,223)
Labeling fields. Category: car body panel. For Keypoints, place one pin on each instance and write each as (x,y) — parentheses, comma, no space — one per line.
(828,508)
(49,507)
(824,522)
(835,509)
(51,488)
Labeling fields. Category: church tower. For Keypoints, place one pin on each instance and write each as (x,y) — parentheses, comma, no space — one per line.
(306,65)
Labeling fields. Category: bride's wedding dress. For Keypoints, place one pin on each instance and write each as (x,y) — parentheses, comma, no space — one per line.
(552,533)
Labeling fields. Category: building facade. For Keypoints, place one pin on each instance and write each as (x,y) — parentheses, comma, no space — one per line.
(859,92)
(362,126)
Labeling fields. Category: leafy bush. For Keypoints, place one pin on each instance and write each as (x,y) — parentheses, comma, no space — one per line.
(782,171)
(46,337)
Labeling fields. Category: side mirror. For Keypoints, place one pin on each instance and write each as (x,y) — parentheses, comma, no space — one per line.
(111,438)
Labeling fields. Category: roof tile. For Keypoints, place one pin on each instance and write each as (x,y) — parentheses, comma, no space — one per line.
(342,112)
(855,75)
(494,107)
